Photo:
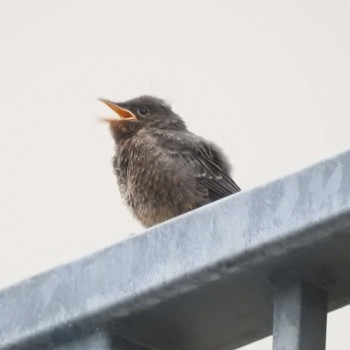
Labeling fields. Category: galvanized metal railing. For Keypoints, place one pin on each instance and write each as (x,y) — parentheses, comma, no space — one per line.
(274,259)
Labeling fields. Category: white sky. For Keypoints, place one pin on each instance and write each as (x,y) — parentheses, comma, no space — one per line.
(269,81)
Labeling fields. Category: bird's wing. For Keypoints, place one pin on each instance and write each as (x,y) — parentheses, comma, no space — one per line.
(206,163)
(215,173)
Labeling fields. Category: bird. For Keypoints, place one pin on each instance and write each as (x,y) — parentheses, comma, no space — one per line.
(163,170)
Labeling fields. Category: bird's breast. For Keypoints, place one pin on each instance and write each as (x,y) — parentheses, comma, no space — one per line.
(151,181)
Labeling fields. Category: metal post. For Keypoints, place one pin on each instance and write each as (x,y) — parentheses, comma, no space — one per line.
(300,317)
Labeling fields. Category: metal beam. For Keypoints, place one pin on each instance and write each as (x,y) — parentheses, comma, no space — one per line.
(199,281)
(300,316)
(97,341)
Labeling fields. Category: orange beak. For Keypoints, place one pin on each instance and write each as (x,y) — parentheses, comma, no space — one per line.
(122,113)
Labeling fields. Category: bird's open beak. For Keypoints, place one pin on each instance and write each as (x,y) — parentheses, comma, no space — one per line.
(122,113)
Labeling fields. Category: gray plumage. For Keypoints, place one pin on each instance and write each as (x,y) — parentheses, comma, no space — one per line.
(163,170)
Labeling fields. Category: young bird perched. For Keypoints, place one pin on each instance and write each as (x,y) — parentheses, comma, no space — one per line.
(163,170)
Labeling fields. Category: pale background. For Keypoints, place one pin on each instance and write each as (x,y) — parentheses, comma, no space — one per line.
(269,81)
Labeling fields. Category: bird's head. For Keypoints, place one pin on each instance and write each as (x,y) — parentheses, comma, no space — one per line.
(141,112)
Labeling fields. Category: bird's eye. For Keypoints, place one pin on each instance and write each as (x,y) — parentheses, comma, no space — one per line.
(143,111)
